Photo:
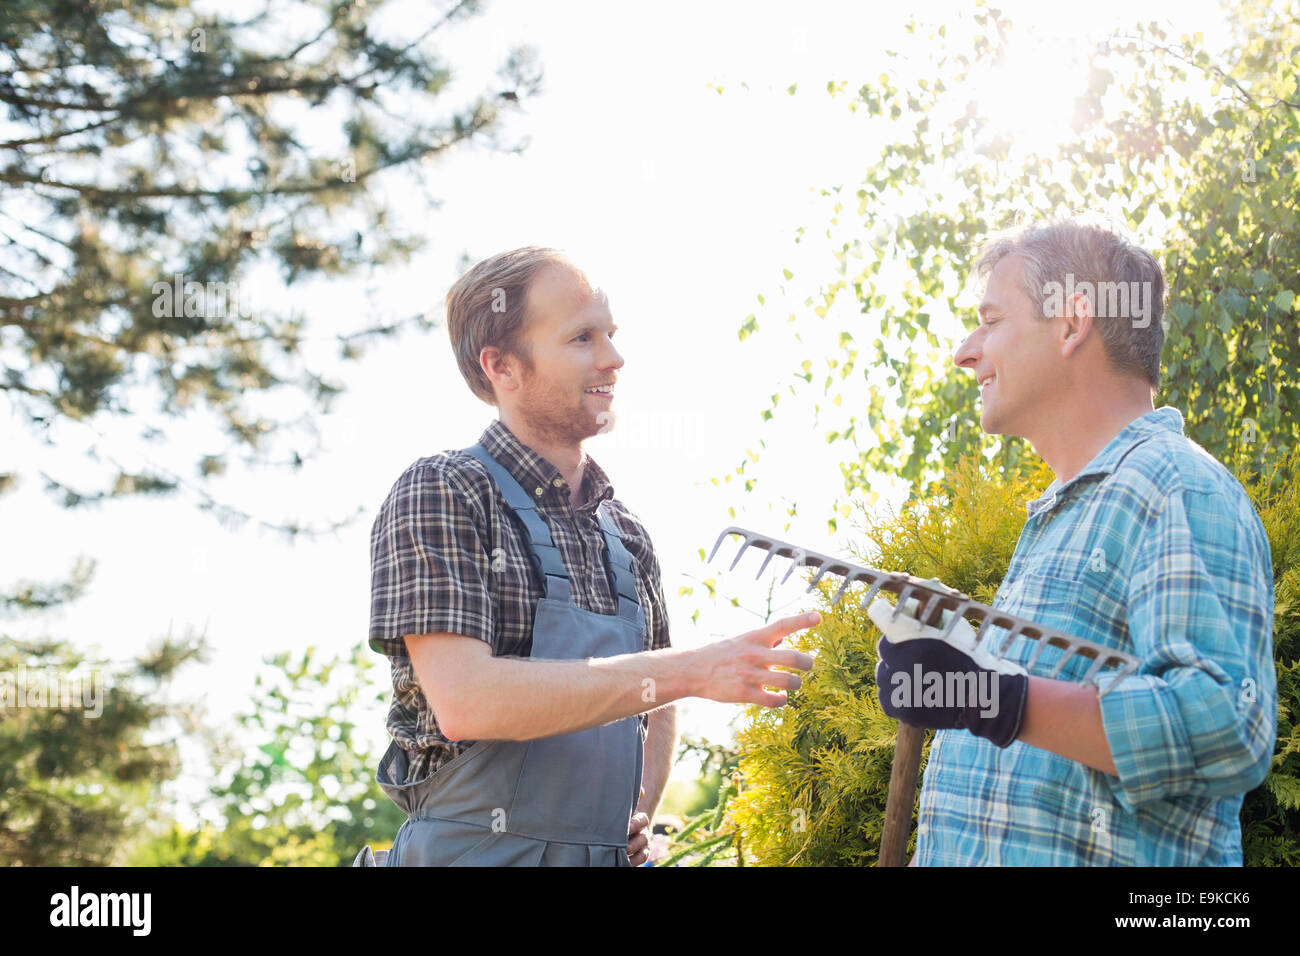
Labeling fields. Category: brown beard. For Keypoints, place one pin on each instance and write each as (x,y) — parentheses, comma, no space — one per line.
(553,424)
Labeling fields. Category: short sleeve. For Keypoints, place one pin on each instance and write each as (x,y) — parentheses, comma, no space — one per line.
(428,564)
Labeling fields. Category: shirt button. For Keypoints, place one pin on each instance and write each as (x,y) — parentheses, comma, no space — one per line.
(559,482)
(537,491)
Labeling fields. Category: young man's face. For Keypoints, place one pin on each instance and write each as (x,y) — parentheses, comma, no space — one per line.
(573,361)
(1016,356)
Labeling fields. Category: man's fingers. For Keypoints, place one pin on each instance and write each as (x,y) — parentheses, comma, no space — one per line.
(788,657)
(639,821)
(772,634)
(638,848)
(782,680)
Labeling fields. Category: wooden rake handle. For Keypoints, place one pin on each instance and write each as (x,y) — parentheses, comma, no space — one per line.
(902,782)
(902,792)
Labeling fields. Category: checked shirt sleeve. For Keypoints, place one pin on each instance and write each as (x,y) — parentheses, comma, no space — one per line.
(428,563)
(1200,718)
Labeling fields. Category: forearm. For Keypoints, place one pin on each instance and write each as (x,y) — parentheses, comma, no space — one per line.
(510,698)
(660,745)
(1065,718)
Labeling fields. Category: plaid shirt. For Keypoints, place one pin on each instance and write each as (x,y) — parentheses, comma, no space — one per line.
(448,556)
(1154,549)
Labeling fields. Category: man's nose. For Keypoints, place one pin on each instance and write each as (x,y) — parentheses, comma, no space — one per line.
(611,357)
(967,354)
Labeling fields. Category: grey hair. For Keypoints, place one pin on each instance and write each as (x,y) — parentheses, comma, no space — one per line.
(1062,255)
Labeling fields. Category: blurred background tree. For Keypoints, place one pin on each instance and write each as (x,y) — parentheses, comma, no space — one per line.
(153,158)
(78,776)
(153,155)
(296,787)
(1194,148)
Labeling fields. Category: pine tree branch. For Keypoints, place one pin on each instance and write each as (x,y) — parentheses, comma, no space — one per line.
(480,121)
(59,134)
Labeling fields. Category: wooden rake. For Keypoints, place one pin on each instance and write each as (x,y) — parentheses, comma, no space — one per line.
(933,599)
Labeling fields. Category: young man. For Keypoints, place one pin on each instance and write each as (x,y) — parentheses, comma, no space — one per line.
(521,606)
(1143,543)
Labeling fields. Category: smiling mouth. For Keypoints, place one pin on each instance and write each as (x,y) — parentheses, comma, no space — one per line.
(604,391)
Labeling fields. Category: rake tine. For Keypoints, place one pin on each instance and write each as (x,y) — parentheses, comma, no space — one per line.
(985,625)
(926,601)
(952,624)
(821,571)
(766,561)
(1011,636)
(875,589)
(717,544)
(840,593)
(1065,659)
(1127,668)
(1097,665)
(743,545)
(794,563)
(903,595)
(1042,645)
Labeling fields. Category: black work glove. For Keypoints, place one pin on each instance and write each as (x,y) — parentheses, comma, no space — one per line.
(945,683)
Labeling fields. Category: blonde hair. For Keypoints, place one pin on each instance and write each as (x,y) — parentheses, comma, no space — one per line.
(487,306)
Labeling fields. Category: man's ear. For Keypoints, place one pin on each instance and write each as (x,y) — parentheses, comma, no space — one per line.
(1078,323)
(501,369)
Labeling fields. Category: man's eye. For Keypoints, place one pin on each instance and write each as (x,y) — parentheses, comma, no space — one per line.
(581,337)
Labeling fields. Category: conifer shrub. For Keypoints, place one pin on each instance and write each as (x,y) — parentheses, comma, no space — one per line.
(816,772)
(1270,814)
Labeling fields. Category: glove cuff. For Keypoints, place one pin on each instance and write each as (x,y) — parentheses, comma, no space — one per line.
(1001,728)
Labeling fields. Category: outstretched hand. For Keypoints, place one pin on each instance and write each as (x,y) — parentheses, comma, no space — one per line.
(737,670)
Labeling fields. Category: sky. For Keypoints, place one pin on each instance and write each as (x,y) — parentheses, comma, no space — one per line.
(668,158)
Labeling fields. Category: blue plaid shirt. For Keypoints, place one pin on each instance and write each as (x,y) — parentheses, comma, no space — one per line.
(1154,549)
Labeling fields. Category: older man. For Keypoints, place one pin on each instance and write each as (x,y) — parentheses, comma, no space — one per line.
(521,607)
(1143,543)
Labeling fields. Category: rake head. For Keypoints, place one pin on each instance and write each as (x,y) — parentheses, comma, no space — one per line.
(933,599)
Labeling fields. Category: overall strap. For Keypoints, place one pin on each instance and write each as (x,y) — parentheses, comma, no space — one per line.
(620,563)
(545,554)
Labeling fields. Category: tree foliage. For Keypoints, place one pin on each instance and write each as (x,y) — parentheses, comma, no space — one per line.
(296,788)
(152,156)
(157,163)
(81,762)
(1194,148)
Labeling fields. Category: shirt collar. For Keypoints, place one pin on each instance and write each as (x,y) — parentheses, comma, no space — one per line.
(1163,419)
(533,471)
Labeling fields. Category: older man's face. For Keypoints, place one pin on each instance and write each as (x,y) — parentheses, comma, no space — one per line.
(1013,356)
(569,392)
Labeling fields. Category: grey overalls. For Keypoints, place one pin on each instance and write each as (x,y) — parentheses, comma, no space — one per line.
(565,800)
